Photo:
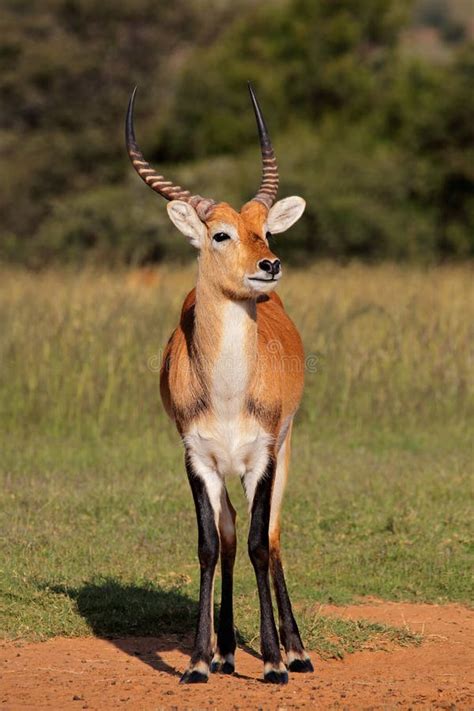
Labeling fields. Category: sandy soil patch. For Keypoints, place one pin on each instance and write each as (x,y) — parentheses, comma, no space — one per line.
(143,673)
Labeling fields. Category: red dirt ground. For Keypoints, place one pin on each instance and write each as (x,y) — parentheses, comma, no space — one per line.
(143,673)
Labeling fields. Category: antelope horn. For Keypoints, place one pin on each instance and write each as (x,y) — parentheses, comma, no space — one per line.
(269,184)
(157,182)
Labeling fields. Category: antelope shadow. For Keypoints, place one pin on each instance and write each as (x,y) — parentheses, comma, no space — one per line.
(141,620)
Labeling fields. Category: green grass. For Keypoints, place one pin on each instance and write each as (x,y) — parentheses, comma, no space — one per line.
(97,524)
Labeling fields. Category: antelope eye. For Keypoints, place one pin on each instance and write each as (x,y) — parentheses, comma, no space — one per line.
(221,236)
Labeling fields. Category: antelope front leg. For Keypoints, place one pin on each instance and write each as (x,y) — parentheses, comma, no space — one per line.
(274,670)
(206,494)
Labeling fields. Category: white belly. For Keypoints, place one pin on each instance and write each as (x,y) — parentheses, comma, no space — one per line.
(233,446)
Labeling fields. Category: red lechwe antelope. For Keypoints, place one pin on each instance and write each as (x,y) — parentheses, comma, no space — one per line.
(232,379)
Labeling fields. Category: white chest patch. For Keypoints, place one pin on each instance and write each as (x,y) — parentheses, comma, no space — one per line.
(229,441)
(231,370)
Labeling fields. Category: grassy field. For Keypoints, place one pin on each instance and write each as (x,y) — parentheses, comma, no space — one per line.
(97,524)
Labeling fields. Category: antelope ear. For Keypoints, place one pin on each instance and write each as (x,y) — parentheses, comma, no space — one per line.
(185,218)
(285,213)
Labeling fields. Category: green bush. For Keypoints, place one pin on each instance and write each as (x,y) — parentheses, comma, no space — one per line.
(380,141)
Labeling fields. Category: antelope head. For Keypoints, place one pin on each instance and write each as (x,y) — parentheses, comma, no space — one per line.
(235,256)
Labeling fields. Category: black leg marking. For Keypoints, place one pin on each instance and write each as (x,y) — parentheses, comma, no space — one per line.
(298,660)
(259,552)
(224,657)
(208,551)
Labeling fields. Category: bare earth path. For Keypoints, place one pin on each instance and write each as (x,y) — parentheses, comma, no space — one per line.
(143,673)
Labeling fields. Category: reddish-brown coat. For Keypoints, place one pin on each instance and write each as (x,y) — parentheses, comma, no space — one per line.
(276,386)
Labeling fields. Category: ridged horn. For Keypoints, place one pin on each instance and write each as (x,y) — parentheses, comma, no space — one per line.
(157,182)
(269,184)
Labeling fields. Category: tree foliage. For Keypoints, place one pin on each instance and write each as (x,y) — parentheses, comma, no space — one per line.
(379,142)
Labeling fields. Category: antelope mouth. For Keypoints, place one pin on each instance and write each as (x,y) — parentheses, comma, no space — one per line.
(259,279)
(275,277)
(262,283)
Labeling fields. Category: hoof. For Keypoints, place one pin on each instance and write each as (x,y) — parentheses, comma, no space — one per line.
(275,676)
(301,666)
(193,677)
(224,666)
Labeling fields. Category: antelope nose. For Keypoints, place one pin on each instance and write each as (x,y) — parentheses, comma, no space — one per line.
(269,266)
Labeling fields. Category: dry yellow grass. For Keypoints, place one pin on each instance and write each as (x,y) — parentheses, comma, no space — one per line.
(384,342)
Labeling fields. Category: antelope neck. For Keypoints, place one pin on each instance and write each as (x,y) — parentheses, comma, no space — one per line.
(225,335)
